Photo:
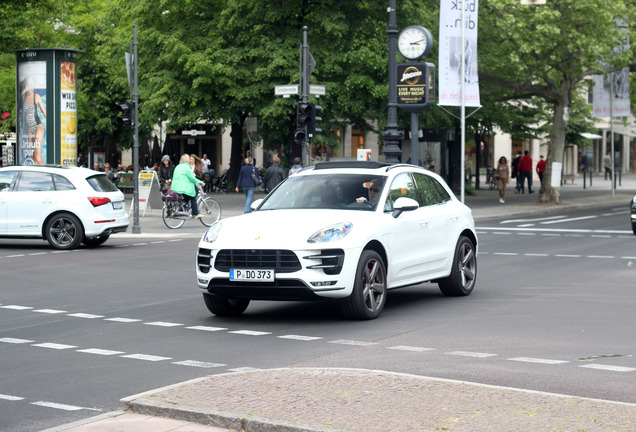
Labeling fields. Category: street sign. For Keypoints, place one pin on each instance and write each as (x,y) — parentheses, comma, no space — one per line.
(193,132)
(286,90)
(317,90)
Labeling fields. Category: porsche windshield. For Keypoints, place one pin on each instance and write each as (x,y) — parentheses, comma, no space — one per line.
(327,191)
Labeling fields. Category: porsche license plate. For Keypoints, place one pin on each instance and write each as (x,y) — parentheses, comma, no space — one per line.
(249,275)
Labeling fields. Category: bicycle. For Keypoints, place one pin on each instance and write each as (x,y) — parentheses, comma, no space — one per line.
(175,210)
(491,181)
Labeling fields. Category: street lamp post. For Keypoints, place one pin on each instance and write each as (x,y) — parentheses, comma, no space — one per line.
(392,136)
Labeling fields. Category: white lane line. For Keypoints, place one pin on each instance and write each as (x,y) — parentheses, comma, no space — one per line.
(244,369)
(537,360)
(62,406)
(600,236)
(49,311)
(526,234)
(551,235)
(470,354)
(60,252)
(506,253)
(15,256)
(200,364)
(122,320)
(526,225)
(17,307)
(352,342)
(250,332)
(207,328)
(85,315)
(629,257)
(410,348)
(536,254)
(11,398)
(569,220)
(15,341)
(567,256)
(140,244)
(38,253)
(299,337)
(163,324)
(146,357)
(100,351)
(609,368)
(532,220)
(568,231)
(54,346)
(501,233)
(600,256)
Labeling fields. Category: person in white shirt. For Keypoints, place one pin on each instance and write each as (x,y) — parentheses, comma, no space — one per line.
(206,162)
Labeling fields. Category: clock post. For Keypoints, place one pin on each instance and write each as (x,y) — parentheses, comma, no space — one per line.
(392,135)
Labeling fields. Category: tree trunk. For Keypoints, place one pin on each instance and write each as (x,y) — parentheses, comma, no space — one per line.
(562,102)
(237,148)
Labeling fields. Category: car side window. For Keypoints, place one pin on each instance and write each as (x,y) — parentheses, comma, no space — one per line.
(427,191)
(31,181)
(62,183)
(6,178)
(401,186)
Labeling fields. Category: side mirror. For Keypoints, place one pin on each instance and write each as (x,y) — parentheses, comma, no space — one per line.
(404,204)
(256,203)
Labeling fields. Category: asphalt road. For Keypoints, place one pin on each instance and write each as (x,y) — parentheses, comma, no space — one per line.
(552,311)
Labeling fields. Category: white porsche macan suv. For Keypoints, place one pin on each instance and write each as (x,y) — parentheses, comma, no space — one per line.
(346,231)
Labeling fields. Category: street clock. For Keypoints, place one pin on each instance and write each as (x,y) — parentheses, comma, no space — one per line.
(415,42)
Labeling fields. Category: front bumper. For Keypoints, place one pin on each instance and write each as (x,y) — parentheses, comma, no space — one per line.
(319,274)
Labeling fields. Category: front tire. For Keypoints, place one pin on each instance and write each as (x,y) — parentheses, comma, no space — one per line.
(64,231)
(367,300)
(461,280)
(211,211)
(221,306)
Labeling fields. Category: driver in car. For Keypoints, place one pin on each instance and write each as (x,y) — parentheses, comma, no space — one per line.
(374,189)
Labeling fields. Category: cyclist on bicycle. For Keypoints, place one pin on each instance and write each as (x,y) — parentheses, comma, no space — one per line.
(184,181)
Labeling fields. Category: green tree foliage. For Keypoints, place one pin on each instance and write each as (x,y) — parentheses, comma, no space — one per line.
(548,51)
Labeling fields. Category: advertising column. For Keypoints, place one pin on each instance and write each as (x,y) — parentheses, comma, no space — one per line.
(46,102)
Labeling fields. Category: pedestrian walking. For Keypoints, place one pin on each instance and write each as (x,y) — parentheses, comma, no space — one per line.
(540,169)
(296,167)
(165,173)
(248,179)
(515,172)
(502,175)
(607,165)
(525,171)
(274,175)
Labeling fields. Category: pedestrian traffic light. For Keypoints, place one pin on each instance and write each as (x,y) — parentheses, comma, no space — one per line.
(314,117)
(299,136)
(305,110)
(126,109)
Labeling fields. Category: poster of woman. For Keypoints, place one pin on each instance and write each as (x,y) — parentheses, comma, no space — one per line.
(32,111)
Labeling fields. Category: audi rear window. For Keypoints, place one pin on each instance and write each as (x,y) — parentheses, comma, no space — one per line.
(100,183)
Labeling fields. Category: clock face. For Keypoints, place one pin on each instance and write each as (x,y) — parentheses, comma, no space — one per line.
(415,42)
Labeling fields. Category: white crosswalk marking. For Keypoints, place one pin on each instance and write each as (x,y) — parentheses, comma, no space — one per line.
(10,398)
(122,320)
(199,364)
(16,307)
(163,324)
(471,354)
(49,311)
(250,332)
(15,340)
(537,360)
(146,357)
(298,337)
(99,351)
(85,315)
(352,342)
(609,368)
(62,406)
(410,348)
(54,346)
(206,328)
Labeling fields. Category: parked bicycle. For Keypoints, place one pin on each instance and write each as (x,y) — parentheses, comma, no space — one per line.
(491,181)
(176,210)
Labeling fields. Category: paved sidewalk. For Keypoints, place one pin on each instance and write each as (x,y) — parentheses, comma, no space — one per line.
(311,400)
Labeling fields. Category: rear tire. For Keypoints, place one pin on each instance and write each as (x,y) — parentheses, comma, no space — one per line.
(368,297)
(461,280)
(210,209)
(634,228)
(221,306)
(64,231)
(167,214)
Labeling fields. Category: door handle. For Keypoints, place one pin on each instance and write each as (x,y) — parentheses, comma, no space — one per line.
(424,222)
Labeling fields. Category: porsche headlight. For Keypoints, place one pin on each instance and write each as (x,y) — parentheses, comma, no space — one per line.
(212,233)
(331,233)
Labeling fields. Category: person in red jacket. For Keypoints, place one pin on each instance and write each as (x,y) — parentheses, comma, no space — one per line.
(540,168)
(525,171)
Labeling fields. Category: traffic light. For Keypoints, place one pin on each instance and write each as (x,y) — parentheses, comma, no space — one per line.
(305,110)
(314,118)
(299,136)
(126,119)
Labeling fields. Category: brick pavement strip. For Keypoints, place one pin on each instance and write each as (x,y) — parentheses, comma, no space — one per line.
(292,400)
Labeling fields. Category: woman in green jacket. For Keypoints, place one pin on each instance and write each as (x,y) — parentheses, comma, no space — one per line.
(183,182)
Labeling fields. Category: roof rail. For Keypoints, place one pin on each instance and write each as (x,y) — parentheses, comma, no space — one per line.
(348,164)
